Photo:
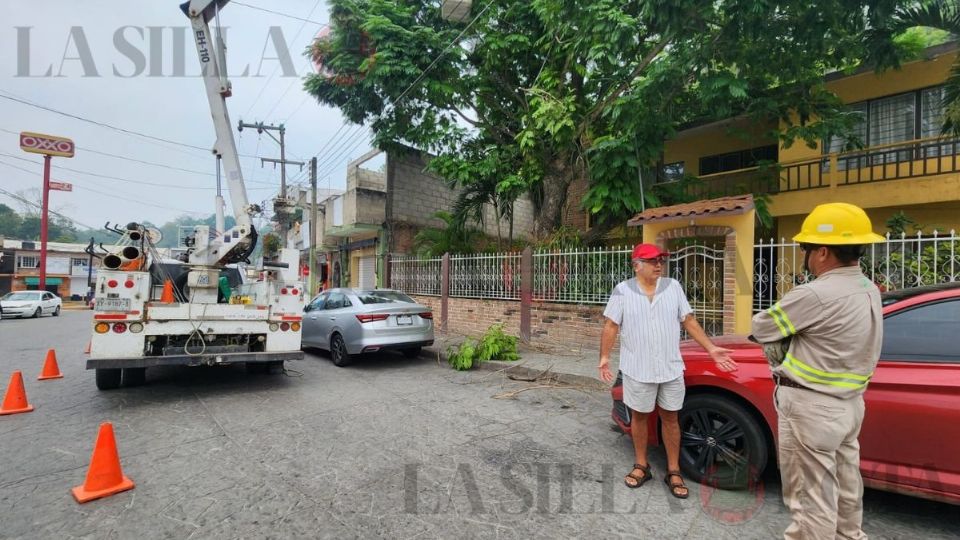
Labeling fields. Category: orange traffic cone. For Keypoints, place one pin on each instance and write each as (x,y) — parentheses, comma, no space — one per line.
(167,296)
(50,368)
(104,477)
(15,401)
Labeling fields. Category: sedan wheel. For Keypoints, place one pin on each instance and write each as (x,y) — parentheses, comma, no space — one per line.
(56,312)
(36,314)
(721,443)
(338,351)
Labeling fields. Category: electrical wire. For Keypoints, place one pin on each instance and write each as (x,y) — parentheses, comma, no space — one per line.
(16,197)
(281,14)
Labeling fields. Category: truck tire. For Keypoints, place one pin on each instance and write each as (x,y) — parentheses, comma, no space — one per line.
(338,351)
(108,379)
(134,376)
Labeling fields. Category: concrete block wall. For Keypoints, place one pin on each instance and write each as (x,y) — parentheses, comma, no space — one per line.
(418,194)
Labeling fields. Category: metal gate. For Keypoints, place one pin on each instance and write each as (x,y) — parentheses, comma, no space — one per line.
(699,269)
(368,273)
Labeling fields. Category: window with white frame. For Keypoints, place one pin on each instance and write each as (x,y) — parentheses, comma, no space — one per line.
(28,261)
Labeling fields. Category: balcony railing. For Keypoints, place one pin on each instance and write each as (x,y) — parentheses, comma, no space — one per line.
(911,159)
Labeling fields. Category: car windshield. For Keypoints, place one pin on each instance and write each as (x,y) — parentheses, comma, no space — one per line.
(383,297)
(21,296)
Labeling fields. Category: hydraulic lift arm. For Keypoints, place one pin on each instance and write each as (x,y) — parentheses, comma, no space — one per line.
(237,243)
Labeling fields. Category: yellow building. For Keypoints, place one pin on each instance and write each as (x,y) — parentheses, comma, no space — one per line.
(902,166)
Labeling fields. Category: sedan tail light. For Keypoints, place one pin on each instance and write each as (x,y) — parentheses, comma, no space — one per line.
(426,315)
(370,318)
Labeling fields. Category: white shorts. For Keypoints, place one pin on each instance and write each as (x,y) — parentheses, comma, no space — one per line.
(641,396)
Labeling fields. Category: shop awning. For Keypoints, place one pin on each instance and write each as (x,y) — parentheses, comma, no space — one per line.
(36,280)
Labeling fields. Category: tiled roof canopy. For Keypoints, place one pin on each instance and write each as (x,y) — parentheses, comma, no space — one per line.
(724,206)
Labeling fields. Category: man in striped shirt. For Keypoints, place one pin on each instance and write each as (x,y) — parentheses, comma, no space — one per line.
(648,311)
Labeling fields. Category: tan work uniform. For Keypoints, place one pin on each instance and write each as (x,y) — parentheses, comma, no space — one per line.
(835,326)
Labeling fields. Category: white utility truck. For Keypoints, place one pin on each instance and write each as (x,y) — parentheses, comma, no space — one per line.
(201,310)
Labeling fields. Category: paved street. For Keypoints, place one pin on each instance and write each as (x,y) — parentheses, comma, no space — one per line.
(387,448)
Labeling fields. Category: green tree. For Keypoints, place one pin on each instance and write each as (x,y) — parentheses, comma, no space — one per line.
(454,237)
(586,90)
(10,222)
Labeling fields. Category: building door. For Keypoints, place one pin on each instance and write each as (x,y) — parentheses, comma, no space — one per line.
(368,273)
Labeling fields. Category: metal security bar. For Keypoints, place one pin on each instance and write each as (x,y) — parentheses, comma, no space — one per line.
(495,276)
(579,276)
(897,263)
(414,275)
(699,269)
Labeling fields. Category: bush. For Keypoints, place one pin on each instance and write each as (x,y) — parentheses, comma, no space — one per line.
(494,345)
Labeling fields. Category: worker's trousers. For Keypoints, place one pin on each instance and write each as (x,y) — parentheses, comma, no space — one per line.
(820,464)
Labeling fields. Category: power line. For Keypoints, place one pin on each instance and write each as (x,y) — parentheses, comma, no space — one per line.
(289,86)
(11,97)
(105,176)
(281,14)
(126,158)
(16,197)
(277,67)
(137,201)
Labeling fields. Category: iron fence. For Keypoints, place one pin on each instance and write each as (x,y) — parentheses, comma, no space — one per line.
(579,276)
(416,275)
(896,263)
(494,275)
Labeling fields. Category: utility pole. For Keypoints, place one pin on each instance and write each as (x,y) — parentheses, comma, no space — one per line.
(313,227)
(282,206)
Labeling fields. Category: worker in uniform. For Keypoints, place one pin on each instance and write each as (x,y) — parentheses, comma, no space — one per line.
(829,331)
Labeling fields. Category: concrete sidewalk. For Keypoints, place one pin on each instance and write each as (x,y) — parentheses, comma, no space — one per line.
(560,364)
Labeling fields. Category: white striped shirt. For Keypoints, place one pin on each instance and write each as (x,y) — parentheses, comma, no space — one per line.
(649,331)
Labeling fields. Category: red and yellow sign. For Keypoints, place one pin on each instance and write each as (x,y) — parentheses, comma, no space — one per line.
(61,186)
(51,145)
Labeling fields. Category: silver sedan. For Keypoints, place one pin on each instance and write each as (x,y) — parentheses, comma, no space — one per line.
(348,322)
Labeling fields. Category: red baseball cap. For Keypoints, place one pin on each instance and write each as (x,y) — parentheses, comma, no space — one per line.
(648,251)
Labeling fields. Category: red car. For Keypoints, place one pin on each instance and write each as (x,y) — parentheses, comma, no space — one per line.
(910,440)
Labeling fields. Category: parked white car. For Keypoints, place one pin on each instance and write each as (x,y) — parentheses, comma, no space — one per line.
(30,304)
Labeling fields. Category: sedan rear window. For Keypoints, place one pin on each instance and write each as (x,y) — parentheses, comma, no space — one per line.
(384,297)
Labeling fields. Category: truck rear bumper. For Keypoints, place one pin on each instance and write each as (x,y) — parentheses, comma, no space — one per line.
(214,359)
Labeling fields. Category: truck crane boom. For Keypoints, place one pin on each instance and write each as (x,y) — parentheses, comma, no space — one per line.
(237,243)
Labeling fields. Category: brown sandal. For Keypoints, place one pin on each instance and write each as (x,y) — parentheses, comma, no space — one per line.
(674,487)
(641,480)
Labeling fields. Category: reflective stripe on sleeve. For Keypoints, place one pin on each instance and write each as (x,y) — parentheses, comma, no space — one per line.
(783,322)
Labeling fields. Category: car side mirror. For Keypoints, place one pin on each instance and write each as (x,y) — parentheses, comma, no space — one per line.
(308,307)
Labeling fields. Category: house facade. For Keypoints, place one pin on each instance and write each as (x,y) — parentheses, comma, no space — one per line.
(68,268)
(903,164)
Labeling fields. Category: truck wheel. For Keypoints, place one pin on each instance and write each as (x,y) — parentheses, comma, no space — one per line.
(108,379)
(338,351)
(134,376)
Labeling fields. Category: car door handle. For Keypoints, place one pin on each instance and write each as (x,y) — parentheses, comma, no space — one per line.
(333,318)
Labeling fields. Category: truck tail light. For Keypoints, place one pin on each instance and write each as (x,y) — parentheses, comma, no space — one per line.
(112,284)
(426,315)
(295,327)
(101,328)
(136,327)
(274,327)
(284,326)
(128,283)
(119,327)
(370,318)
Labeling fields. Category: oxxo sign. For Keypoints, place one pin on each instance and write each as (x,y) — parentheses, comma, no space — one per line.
(50,145)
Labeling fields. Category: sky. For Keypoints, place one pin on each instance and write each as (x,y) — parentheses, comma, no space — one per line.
(142,75)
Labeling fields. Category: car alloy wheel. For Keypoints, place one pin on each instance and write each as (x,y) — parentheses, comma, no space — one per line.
(338,351)
(721,443)
(56,312)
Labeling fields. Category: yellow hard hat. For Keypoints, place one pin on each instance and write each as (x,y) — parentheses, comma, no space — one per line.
(836,224)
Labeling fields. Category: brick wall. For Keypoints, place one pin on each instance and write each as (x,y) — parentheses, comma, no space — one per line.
(564,325)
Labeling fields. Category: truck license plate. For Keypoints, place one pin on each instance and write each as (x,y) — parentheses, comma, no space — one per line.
(112,304)
(404,320)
